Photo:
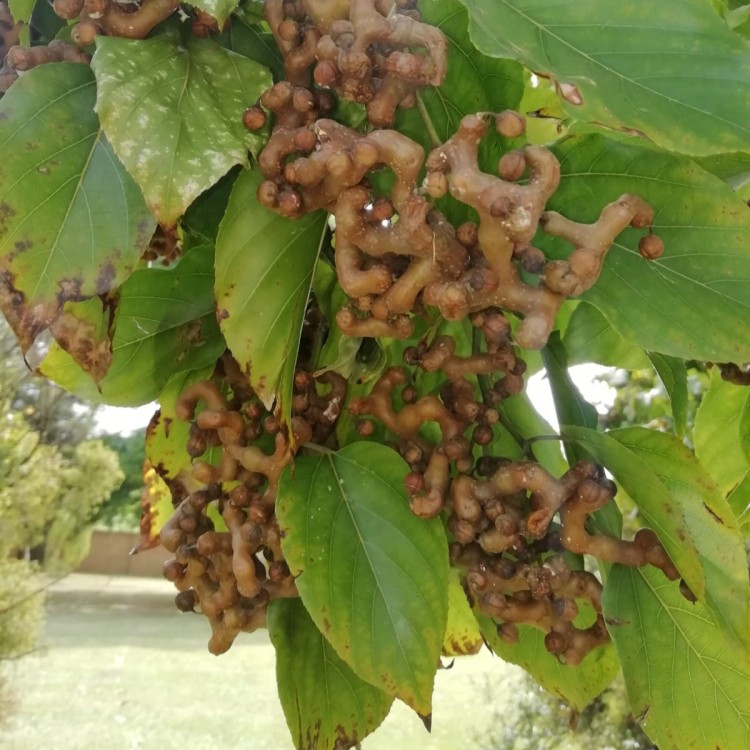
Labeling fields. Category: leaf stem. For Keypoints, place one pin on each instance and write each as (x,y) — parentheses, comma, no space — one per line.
(431,130)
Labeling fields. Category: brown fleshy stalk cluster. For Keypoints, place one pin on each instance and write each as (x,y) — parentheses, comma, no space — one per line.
(501,513)
(20,59)
(231,575)
(375,52)
(396,255)
(544,594)
(130,20)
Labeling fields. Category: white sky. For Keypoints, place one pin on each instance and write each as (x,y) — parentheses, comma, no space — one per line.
(113,419)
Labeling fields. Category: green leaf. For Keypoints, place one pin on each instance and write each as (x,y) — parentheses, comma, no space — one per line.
(21,10)
(571,407)
(204,216)
(590,337)
(326,705)
(164,324)
(577,685)
(673,375)
(685,676)
(659,508)
(519,414)
(59,242)
(373,576)
(250,41)
(264,271)
(219,9)
(174,113)
(719,444)
(462,633)
(709,518)
(692,303)
(653,68)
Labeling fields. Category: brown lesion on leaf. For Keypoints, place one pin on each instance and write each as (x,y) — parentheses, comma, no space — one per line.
(7,212)
(713,515)
(78,338)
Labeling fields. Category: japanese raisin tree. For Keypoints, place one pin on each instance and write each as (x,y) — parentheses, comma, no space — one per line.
(333,239)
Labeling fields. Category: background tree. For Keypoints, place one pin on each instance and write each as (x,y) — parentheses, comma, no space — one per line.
(375,219)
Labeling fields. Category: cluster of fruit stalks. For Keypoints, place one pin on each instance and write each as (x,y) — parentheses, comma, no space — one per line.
(510,521)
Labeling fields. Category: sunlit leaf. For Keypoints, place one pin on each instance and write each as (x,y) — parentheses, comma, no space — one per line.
(59,242)
(325,704)
(462,633)
(660,69)
(174,113)
(373,576)
(684,676)
(719,443)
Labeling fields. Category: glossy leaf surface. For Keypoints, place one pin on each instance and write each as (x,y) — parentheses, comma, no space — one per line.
(373,576)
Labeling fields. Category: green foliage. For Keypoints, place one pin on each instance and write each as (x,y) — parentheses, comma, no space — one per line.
(536,720)
(635,97)
(123,507)
(21,606)
(373,576)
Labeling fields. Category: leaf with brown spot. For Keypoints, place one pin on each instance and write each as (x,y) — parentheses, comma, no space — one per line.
(462,634)
(368,564)
(59,241)
(164,326)
(264,272)
(326,705)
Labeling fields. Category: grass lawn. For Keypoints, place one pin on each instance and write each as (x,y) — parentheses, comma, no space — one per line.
(122,669)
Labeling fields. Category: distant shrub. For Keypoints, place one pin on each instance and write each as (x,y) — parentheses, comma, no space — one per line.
(538,720)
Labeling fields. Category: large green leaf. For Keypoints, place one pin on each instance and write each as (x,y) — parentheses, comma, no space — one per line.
(662,69)
(174,113)
(684,676)
(694,302)
(660,509)
(578,685)
(327,707)
(164,324)
(264,271)
(590,337)
(719,443)
(373,576)
(59,241)
(711,522)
